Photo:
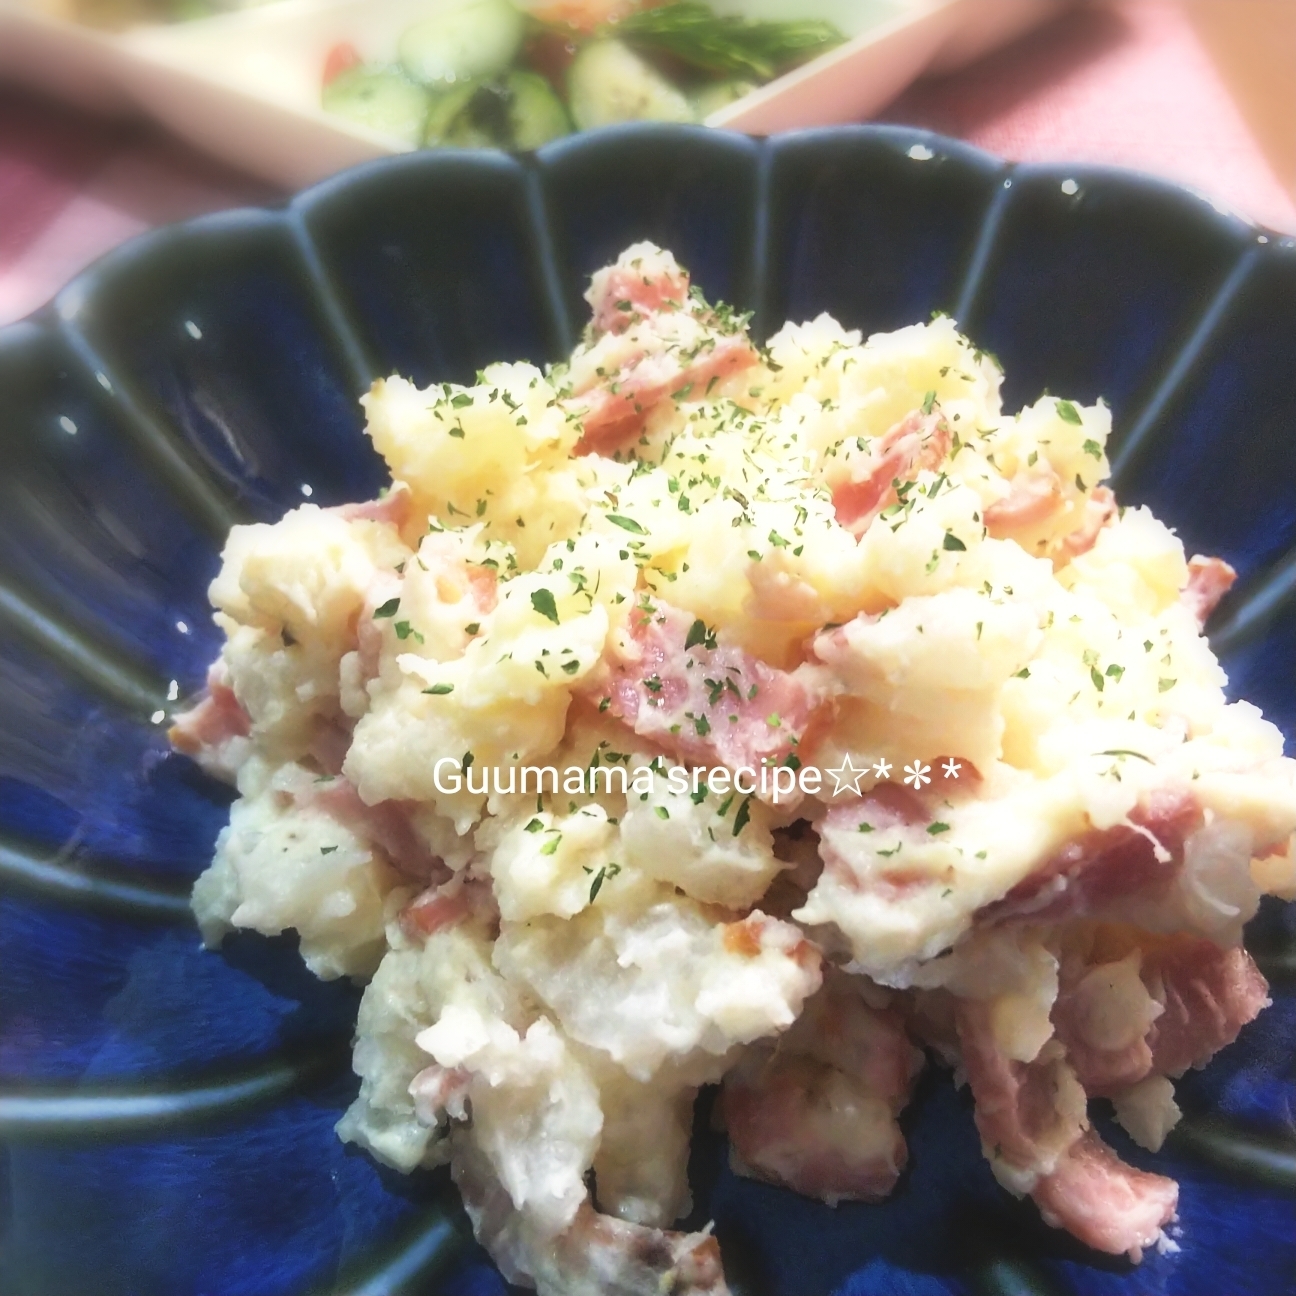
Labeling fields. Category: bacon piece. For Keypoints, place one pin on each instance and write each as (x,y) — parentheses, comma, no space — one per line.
(839,1028)
(216,719)
(1209,579)
(918,441)
(1106,865)
(621,294)
(613,414)
(1033,1115)
(684,698)
(1030,1113)
(1102,1016)
(394,508)
(1033,498)
(209,731)
(602,1255)
(818,1113)
(850,858)
(550,53)
(809,1127)
(1208,994)
(1105,1203)
(385,825)
(447,905)
(1100,508)
(887,805)
(649,339)
(1188,999)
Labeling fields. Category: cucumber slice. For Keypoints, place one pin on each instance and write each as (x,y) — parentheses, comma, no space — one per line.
(475,40)
(450,122)
(518,111)
(381,98)
(538,114)
(608,82)
(714,97)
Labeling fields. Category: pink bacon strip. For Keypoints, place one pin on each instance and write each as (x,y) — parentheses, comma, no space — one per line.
(710,705)
(1105,865)
(1209,579)
(919,441)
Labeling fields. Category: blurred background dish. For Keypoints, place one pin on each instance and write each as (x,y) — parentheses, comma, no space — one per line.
(249,85)
(114,15)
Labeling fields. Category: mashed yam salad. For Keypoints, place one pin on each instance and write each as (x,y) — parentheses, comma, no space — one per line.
(695,714)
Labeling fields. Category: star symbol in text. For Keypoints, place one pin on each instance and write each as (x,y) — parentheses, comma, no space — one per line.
(847,775)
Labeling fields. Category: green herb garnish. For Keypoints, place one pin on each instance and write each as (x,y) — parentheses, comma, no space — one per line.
(543,602)
(723,45)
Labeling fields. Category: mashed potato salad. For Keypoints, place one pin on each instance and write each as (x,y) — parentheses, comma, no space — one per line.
(693,714)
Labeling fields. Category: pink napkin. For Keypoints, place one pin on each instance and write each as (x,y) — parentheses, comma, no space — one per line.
(73,186)
(1127,84)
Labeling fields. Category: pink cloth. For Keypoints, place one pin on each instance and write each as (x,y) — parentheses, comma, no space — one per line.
(1128,84)
(73,186)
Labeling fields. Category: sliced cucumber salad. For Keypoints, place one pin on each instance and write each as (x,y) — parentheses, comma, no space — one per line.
(381,98)
(480,39)
(608,83)
(516,111)
(489,73)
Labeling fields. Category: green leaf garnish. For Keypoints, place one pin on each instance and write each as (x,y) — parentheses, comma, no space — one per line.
(743,815)
(625,523)
(543,602)
(697,635)
(723,45)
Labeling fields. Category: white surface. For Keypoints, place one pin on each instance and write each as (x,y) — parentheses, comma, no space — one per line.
(245,86)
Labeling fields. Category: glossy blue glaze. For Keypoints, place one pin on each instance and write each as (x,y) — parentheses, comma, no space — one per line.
(72,532)
(1222,459)
(96,995)
(266,1205)
(166,1113)
(691,190)
(437,260)
(215,330)
(1091,292)
(876,225)
(86,776)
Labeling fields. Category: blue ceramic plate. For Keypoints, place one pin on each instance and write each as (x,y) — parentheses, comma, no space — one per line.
(167,1113)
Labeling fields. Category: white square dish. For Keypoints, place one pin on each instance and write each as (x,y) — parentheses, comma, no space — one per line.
(245,86)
